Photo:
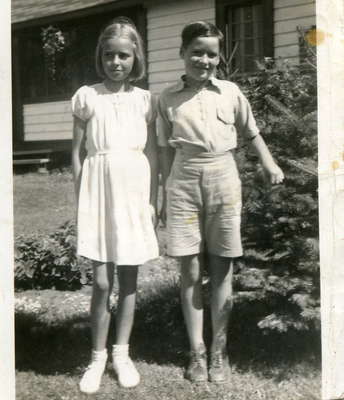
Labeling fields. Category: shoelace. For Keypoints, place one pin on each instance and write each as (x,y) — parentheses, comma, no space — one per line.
(217,360)
(197,358)
(123,360)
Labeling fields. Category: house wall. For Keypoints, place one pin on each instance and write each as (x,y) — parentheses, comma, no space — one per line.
(288,15)
(48,121)
(165,20)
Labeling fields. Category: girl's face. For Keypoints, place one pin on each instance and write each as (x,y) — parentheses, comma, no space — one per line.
(118,57)
(201,57)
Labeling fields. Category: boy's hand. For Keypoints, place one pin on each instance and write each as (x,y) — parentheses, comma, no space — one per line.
(275,174)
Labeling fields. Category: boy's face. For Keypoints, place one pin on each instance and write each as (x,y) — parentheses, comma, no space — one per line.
(201,57)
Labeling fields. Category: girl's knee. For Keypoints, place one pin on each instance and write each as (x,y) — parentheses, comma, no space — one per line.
(102,285)
(102,277)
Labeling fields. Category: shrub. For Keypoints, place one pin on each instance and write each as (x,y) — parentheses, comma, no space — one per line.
(278,277)
(50,262)
(280,268)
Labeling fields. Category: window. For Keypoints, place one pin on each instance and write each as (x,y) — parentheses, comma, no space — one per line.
(52,70)
(53,59)
(248,30)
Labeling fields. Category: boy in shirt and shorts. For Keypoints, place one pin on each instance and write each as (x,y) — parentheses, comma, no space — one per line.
(198,122)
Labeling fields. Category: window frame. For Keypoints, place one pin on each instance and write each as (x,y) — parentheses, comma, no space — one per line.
(18,36)
(268,26)
(23,30)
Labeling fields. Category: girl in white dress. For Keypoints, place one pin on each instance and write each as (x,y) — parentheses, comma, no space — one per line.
(115,174)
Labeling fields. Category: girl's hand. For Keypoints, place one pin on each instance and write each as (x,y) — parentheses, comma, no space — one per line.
(275,174)
(154,216)
(162,215)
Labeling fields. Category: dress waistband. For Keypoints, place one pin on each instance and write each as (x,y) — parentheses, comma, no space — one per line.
(113,151)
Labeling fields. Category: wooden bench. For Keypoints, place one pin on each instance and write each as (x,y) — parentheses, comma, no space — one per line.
(39,157)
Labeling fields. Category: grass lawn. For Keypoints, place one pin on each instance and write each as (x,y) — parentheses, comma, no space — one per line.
(53,334)
(42,202)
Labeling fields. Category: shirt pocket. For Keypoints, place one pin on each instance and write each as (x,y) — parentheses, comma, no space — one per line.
(225,116)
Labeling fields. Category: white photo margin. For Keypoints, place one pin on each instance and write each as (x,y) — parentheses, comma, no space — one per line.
(7,387)
(330,52)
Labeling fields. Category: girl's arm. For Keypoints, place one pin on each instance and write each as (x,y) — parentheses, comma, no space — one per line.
(274,171)
(151,151)
(167,154)
(78,152)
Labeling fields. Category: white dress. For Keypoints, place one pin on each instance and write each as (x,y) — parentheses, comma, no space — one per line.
(114,218)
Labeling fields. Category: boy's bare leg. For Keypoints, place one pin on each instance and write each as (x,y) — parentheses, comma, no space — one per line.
(192,305)
(221,276)
(191,297)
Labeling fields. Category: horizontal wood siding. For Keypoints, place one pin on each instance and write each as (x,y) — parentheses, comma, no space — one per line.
(288,15)
(291,3)
(48,121)
(165,21)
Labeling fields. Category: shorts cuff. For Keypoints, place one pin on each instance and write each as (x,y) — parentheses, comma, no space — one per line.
(184,252)
(227,254)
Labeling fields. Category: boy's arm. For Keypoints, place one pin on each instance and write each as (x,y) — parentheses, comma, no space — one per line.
(246,124)
(78,152)
(167,154)
(275,173)
(151,150)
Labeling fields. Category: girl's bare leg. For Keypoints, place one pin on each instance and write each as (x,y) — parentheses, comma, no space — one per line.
(125,369)
(103,275)
(100,322)
(127,281)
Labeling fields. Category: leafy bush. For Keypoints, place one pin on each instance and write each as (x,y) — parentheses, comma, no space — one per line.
(47,262)
(280,268)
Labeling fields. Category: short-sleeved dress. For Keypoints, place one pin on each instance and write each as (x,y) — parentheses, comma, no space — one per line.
(114,217)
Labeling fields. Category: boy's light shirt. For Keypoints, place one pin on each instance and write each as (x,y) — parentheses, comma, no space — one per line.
(204,120)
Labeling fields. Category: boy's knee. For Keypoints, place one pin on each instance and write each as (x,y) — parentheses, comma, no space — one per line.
(190,269)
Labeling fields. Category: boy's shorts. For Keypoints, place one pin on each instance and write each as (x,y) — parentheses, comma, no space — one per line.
(204,205)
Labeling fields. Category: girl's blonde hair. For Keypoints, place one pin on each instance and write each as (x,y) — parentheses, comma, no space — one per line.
(122,27)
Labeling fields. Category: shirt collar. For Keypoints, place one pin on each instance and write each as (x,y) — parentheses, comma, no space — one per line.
(181,84)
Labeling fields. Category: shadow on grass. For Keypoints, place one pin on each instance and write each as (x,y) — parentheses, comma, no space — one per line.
(63,346)
(51,348)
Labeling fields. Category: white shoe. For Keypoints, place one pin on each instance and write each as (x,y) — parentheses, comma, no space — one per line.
(125,369)
(91,379)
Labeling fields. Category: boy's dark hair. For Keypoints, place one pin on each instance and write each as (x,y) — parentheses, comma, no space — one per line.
(122,27)
(200,29)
